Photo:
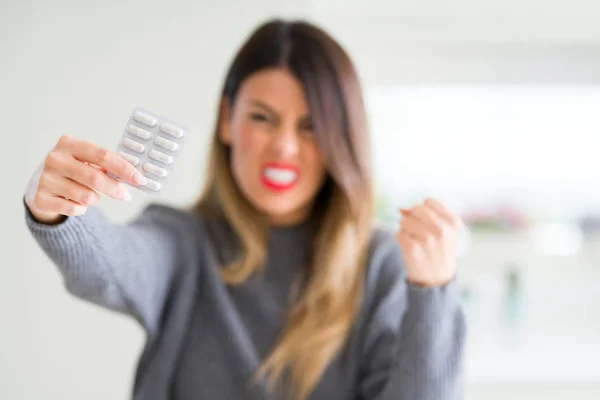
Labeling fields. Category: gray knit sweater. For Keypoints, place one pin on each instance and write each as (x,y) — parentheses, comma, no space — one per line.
(206,339)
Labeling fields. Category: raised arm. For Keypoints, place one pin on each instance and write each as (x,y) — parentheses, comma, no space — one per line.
(127,268)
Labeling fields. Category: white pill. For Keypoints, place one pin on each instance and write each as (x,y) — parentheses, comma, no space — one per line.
(166,144)
(171,129)
(133,145)
(154,169)
(152,185)
(139,132)
(144,118)
(133,160)
(160,157)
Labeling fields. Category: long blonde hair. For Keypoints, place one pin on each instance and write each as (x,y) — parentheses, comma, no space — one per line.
(321,317)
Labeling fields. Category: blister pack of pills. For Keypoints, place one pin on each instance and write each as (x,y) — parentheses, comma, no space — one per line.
(152,143)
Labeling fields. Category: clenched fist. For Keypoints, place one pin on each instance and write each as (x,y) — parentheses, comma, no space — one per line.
(428,237)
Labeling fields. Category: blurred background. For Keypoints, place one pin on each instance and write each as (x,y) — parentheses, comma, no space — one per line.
(492,106)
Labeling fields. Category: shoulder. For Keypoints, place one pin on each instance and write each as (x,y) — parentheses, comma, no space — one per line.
(384,253)
(183,222)
(385,264)
(168,214)
(194,227)
(383,299)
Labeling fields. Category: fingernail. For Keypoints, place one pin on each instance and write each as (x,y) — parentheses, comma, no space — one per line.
(140,179)
(123,192)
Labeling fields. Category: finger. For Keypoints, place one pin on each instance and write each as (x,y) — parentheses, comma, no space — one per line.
(59,205)
(415,228)
(95,179)
(404,239)
(430,219)
(406,242)
(412,251)
(96,166)
(443,211)
(69,189)
(108,160)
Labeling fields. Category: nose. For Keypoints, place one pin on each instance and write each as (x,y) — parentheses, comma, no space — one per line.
(286,143)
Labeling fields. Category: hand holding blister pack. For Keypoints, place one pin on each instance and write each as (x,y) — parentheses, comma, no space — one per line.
(151,143)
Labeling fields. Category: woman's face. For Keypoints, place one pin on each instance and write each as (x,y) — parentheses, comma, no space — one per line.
(275,160)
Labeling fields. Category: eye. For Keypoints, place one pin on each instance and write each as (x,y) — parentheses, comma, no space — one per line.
(307,128)
(259,117)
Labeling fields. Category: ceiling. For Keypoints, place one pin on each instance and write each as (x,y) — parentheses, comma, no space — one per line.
(533,41)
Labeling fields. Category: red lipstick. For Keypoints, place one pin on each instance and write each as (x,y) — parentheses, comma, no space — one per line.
(279,177)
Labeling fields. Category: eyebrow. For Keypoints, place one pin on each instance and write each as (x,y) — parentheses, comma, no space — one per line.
(271,110)
(264,106)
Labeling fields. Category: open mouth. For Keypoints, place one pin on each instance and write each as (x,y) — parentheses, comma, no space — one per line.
(279,177)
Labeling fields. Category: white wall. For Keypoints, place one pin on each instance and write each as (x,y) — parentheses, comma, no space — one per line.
(80,67)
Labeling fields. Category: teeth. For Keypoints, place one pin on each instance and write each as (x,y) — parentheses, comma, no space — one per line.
(282,176)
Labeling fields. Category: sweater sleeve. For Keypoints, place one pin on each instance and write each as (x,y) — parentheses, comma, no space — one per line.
(415,338)
(126,268)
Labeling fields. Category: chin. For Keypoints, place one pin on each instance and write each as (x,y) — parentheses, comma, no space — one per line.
(290,206)
(281,210)
(278,209)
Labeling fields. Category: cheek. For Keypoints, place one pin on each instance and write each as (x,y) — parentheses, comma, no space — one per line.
(244,137)
(247,146)
(315,163)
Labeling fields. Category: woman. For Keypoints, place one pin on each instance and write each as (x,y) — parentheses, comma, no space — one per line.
(275,284)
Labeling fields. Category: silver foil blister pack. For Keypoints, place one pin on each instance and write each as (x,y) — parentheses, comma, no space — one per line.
(151,143)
